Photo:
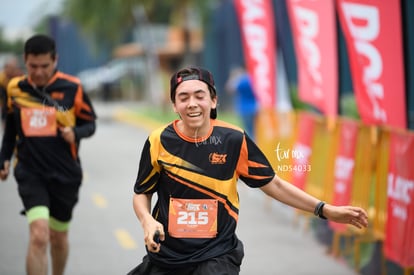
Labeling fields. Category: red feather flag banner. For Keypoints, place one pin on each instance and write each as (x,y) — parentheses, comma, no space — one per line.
(399,237)
(315,40)
(344,167)
(373,34)
(303,148)
(259,43)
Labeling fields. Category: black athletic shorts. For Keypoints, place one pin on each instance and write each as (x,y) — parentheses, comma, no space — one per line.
(228,264)
(35,190)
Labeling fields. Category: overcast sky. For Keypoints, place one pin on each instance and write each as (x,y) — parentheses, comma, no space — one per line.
(18,17)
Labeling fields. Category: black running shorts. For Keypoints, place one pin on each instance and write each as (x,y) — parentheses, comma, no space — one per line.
(228,264)
(59,197)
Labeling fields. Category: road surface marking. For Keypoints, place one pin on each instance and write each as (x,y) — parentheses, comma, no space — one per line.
(125,239)
(99,200)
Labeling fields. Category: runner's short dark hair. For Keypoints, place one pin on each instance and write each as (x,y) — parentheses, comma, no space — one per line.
(40,44)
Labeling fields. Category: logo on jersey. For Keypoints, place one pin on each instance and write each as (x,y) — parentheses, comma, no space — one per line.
(57,95)
(216,158)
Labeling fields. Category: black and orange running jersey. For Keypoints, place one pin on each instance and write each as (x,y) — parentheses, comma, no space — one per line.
(178,167)
(45,152)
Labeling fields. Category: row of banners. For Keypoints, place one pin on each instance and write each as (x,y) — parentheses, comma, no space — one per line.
(373,34)
(358,161)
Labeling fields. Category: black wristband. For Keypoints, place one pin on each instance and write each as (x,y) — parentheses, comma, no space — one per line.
(319,210)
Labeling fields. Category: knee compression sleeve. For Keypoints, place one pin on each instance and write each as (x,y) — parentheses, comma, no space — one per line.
(58,225)
(42,212)
(36,213)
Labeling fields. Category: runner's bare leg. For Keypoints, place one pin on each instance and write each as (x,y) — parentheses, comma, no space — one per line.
(59,250)
(36,260)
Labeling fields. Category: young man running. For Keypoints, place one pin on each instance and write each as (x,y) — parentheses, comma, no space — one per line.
(193,165)
(47,116)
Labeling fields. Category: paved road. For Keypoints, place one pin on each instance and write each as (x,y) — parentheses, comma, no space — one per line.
(106,238)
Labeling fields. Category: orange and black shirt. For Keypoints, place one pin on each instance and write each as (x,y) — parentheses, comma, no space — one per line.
(3,95)
(34,117)
(190,176)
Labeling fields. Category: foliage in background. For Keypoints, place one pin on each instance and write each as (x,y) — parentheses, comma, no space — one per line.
(14,47)
(106,22)
(297,104)
(112,22)
(348,106)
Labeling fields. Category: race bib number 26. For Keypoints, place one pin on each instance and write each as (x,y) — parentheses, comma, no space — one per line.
(192,218)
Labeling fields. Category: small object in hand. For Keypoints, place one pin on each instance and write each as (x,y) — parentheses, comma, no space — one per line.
(156,237)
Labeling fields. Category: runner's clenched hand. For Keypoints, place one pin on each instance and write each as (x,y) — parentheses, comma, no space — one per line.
(153,234)
(4,172)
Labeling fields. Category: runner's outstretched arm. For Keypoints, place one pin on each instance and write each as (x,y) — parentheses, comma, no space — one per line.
(291,195)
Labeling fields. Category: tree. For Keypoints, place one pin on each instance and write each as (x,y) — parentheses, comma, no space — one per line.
(14,47)
(112,22)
